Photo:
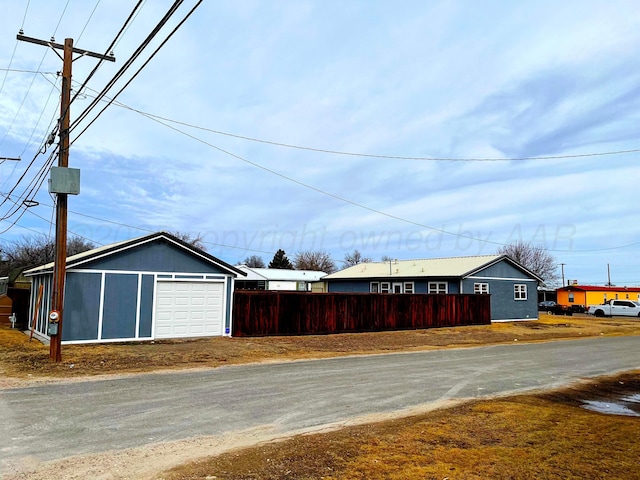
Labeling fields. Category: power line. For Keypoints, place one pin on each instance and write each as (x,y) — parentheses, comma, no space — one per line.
(34,77)
(88,20)
(19,70)
(127,64)
(157,119)
(134,227)
(175,29)
(356,204)
(4,79)
(28,143)
(373,155)
(110,47)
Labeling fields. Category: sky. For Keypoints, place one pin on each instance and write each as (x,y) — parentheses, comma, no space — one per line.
(411,129)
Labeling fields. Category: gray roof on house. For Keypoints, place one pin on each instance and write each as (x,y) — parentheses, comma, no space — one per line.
(111,249)
(431,267)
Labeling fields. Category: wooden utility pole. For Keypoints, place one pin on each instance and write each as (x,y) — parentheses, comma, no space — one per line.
(60,261)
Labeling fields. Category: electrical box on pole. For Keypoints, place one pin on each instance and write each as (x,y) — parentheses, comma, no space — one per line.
(64,180)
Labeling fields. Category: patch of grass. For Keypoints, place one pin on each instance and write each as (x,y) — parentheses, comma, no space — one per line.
(542,436)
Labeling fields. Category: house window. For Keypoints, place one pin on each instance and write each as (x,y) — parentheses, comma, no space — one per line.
(438,287)
(481,288)
(519,291)
(385,287)
(408,287)
(375,287)
(571,297)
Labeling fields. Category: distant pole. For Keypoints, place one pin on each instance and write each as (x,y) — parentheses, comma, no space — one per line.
(60,260)
(608,275)
(562,267)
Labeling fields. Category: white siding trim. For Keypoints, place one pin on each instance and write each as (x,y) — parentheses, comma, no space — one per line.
(153,307)
(212,276)
(106,340)
(503,278)
(514,319)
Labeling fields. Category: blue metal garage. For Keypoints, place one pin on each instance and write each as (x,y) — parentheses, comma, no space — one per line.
(152,287)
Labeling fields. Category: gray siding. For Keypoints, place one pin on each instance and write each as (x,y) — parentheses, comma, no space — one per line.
(420,285)
(120,306)
(157,256)
(502,269)
(505,307)
(349,286)
(146,306)
(501,278)
(81,306)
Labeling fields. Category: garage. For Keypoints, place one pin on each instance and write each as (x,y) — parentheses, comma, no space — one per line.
(151,287)
(189,309)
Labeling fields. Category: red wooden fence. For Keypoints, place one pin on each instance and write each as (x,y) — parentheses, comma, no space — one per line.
(299,313)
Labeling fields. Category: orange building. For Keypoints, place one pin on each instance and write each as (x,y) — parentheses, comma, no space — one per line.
(593,295)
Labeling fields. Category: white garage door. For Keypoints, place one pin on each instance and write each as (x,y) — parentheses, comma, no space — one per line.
(189,309)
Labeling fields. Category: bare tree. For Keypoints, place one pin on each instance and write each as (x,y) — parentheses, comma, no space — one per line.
(386,258)
(354,258)
(535,258)
(33,251)
(318,260)
(254,261)
(196,240)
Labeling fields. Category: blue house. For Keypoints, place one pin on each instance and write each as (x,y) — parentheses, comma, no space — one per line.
(152,287)
(512,287)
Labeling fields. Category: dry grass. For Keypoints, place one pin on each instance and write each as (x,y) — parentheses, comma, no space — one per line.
(546,436)
(20,358)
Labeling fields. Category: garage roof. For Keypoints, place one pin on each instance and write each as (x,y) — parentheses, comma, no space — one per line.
(106,250)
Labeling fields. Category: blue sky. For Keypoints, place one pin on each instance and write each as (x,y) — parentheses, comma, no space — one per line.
(438,79)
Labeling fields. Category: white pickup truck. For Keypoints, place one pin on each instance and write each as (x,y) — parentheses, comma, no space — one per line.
(628,308)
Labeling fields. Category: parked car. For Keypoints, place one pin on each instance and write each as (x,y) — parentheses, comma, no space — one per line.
(627,308)
(546,305)
(554,308)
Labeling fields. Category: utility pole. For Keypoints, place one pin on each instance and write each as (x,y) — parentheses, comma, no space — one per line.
(60,261)
(562,267)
